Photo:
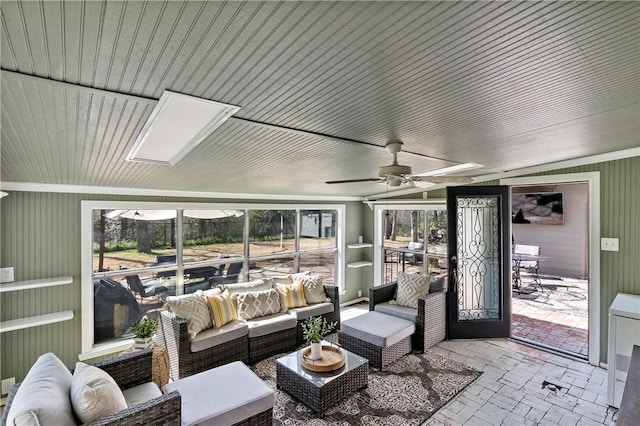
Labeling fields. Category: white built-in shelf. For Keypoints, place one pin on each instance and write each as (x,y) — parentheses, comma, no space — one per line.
(26,285)
(359,264)
(359,245)
(20,323)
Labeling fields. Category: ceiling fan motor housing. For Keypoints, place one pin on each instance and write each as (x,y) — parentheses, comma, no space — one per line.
(394,170)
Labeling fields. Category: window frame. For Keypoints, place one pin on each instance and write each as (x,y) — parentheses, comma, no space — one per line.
(88,348)
(378,222)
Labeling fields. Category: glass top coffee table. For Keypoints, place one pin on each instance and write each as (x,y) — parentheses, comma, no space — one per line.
(320,391)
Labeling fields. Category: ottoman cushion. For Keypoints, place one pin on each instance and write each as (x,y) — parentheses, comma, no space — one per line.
(222,396)
(409,314)
(378,329)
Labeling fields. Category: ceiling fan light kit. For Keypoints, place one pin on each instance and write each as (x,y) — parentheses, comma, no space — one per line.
(396,174)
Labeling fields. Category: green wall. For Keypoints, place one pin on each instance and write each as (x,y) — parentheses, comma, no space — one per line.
(41,237)
(619,218)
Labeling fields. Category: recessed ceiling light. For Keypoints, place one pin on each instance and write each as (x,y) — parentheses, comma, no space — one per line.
(176,125)
(452,169)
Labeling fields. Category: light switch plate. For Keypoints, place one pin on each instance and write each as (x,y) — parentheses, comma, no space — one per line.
(609,244)
(6,274)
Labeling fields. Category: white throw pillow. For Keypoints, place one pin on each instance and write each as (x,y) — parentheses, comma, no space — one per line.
(412,287)
(194,309)
(43,395)
(94,393)
(313,288)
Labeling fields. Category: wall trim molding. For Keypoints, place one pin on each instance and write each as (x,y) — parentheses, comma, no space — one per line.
(112,190)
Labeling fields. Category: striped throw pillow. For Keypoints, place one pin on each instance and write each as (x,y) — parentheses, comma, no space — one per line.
(292,296)
(223,309)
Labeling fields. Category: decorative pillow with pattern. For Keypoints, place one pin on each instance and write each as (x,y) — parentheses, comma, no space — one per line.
(258,304)
(194,309)
(313,288)
(412,287)
(222,308)
(291,296)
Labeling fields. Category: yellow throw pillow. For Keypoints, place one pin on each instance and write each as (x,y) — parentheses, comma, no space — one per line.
(293,295)
(223,309)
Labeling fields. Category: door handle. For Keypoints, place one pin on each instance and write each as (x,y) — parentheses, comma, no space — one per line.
(453,274)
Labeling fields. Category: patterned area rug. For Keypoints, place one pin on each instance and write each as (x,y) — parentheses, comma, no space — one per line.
(408,392)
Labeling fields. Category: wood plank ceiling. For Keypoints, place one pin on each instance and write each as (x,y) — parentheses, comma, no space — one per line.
(323,87)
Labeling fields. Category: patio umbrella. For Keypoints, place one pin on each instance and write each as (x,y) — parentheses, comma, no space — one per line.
(171,214)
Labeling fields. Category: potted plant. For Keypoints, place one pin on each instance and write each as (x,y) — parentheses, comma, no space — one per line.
(143,331)
(313,330)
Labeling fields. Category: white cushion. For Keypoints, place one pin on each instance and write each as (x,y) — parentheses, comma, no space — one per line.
(222,396)
(270,324)
(194,309)
(313,288)
(412,287)
(141,393)
(257,285)
(94,393)
(409,314)
(378,329)
(216,336)
(45,393)
(310,311)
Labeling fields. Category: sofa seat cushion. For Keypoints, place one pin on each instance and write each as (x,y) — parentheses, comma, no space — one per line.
(310,311)
(216,336)
(225,395)
(44,392)
(378,329)
(141,393)
(270,324)
(409,314)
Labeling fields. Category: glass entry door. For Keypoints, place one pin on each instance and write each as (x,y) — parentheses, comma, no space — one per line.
(478,298)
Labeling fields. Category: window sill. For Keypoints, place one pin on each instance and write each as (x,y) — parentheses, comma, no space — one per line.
(106,349)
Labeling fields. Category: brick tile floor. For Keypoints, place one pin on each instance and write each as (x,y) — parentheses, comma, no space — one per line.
(555,315)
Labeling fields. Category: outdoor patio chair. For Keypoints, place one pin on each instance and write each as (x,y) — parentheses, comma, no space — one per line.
(530,266)
(136,286)
(414,258)
(230,277)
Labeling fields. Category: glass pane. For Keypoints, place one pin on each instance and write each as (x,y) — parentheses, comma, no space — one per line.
(319,264)
(271,231)
(478,258)
(437,265)
(437,236)
(404,228)
(265,268)
(132,239)
(212,234)
(318,229)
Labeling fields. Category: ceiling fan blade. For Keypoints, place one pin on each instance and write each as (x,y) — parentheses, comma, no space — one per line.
(422,184)
(353,180)
(442,179)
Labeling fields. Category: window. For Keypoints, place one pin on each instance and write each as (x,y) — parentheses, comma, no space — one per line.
(410,238)
(137,254)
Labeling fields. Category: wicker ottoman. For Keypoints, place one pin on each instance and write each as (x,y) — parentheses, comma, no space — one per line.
(380,338)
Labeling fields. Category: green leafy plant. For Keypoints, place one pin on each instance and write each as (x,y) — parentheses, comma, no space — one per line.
(144,328)
(315,328)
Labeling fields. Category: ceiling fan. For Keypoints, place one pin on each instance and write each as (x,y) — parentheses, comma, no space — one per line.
(396,174)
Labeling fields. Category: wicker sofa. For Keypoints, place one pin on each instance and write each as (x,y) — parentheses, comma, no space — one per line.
(241,340)
(44,396)
(430,317)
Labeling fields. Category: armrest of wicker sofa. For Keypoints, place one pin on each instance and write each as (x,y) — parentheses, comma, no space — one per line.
(381,293)
(431,325)
(333,294)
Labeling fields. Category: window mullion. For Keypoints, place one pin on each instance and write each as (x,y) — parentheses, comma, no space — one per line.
(179,252)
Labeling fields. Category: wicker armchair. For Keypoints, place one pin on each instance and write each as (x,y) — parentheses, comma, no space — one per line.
(130,370)
(431,323)
(183,362)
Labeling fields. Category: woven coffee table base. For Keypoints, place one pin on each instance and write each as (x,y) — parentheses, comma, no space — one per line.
(321,398)
(378,357)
